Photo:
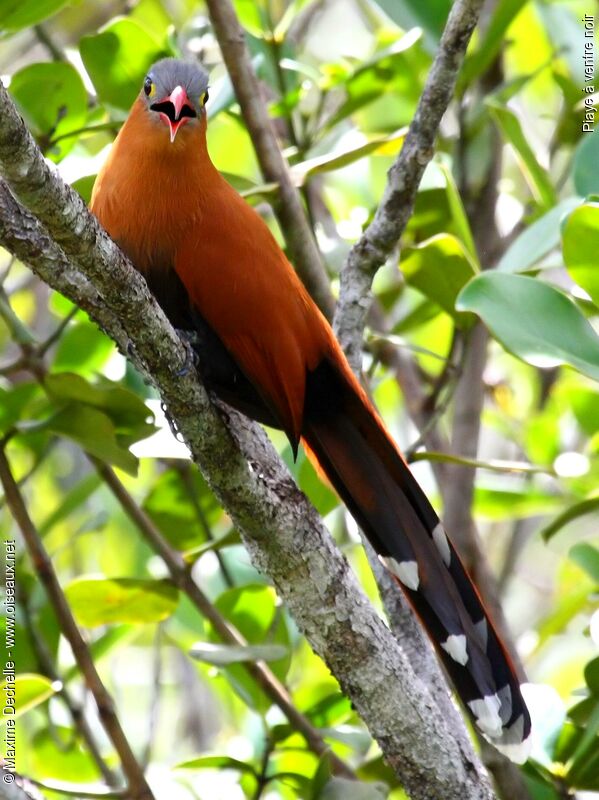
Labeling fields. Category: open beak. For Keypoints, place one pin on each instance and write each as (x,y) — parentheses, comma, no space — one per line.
(175,110)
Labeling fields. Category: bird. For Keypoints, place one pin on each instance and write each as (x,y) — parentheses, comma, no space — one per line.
(265,348)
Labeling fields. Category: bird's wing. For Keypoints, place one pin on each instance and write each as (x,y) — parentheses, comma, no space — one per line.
(241,282)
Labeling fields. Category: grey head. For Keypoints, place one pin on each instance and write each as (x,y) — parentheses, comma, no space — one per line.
(176,91)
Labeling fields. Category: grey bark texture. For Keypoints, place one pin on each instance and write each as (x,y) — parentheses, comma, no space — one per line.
(382,235)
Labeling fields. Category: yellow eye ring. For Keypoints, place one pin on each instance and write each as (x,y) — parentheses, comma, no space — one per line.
(204,98)
(149,87)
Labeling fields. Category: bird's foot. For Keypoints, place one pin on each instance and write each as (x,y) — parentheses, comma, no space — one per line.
(192,361)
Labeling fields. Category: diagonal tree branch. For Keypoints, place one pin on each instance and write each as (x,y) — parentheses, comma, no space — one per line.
(282,532)
(382,235)
(138,788)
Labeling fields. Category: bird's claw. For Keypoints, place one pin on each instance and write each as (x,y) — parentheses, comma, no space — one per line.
(192,360)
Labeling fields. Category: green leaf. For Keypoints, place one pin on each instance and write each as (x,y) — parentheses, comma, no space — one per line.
(223,654)
(591,675)
(84,186)
(584,169)
(58,753)
(115,636)
(536,176)
(587,557)
(14,403)
(117,59)
(104,601)
(127,411)
(537,240)
(95,433)
(253,611)
(439,268)
(82,348)
(535,321)
(216,762)
(581,509)
(52,98)
(497,503)
(383,74)
(586,749)
(252,16)
(490,43)
(581,248)
(71,500)
(214,545)
(30,690)
(458,213)
(387,144)
(183,514)
(430,16)
(18,14)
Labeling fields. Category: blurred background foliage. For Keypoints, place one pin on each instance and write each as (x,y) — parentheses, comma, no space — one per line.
(342,78)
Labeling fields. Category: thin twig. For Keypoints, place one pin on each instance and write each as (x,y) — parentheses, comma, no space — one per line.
(181,575)
(137,786)
(382,235)
(75,708)
(289,209)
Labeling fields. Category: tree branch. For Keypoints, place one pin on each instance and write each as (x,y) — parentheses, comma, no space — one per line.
(181,575)
(282,532)
(138,788)
(382,235)
(289,209)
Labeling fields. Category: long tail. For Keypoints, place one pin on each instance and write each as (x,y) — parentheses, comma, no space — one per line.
(366,469)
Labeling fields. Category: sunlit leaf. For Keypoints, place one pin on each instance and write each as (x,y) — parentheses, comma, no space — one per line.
(95,432)
(384,72)
(64,106)
(83,348)
(504,503)
(458,212)
(104,601)
(581,248)
(537,240)
(29,691)
(253,611)
(388,143)
(439,268)
(117,59)
(184,509)
(216,762)
(57,752)
(71,500)
(128,412)
(116,636)
(535,321)
(536,176)
(14,403)
(407,13)
(490,43)
(584,170)
(590,506)
(18,14)
(587,557)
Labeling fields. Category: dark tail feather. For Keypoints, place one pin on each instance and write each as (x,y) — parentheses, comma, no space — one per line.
(367,471)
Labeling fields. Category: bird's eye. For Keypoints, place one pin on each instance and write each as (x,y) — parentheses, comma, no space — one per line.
(204,98)
(149,87)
